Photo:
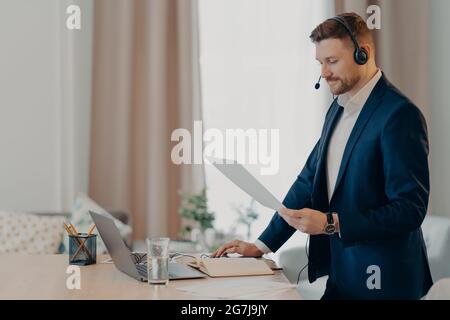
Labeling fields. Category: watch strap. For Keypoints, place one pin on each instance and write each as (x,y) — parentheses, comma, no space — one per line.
(330,219)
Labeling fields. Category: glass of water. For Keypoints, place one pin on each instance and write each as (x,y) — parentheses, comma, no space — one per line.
(158,260)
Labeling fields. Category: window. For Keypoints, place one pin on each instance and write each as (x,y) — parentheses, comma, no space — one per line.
(258,70)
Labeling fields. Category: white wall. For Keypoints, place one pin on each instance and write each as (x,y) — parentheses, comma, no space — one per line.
(440,107)
(44,104)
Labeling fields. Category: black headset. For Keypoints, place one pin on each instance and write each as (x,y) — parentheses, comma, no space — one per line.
(360,55)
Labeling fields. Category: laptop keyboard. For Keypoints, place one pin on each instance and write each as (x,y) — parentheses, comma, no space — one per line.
(142,269)
(178,271)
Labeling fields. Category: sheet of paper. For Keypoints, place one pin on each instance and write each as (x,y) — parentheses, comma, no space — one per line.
(229,289)
(247,182)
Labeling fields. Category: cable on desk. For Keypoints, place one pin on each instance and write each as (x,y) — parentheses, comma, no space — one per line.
(307,256)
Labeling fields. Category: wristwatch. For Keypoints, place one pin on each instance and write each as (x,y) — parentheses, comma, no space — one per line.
(330,227)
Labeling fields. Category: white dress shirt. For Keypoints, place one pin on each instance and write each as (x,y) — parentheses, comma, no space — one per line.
(339,137)
(352,107)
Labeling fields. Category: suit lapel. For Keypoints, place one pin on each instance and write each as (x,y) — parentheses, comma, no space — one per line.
(368,109)
(328,130)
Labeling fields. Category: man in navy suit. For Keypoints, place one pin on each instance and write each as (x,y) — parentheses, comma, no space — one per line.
(363,192)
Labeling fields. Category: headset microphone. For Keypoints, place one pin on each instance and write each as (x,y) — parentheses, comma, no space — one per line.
(317,85)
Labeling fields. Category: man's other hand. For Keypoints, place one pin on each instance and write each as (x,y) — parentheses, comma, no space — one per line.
(237,246)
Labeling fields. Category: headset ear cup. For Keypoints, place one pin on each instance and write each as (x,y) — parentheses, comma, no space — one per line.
(361,56)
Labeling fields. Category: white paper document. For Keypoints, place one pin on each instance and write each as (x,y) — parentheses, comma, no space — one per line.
(230,289)
(247,182)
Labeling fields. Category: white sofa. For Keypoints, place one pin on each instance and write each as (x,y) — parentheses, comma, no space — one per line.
(436,231)
(439,291)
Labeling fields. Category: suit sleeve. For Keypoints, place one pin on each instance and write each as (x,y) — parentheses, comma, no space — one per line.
(404,147)
(298,196)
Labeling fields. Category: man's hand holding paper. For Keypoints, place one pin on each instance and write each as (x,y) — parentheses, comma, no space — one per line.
(305,220)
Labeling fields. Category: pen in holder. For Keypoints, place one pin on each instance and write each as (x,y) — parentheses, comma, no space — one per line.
(82,246)
(83,249)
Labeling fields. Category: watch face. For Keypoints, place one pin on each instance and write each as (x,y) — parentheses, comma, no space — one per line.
(330,228)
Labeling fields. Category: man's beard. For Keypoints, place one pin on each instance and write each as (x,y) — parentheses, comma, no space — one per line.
(343,86)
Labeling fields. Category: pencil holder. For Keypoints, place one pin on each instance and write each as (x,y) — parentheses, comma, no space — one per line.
(82,249)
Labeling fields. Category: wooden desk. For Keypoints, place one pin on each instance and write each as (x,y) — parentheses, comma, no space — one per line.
(44,277)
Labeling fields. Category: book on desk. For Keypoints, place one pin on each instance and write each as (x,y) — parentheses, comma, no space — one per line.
(232,267)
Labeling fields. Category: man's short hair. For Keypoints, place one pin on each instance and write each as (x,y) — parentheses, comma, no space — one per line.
(331,29)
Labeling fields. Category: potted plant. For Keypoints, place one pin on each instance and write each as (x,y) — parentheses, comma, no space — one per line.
(194,208)
(247,216)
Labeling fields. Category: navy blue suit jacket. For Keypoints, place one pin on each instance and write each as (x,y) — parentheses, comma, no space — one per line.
(381,197)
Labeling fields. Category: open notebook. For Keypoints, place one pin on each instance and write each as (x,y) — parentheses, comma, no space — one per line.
(231,267)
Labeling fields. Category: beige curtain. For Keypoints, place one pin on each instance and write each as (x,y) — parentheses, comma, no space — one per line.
(145,85)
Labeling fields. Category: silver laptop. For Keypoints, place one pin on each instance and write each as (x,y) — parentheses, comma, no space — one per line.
(126,262)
